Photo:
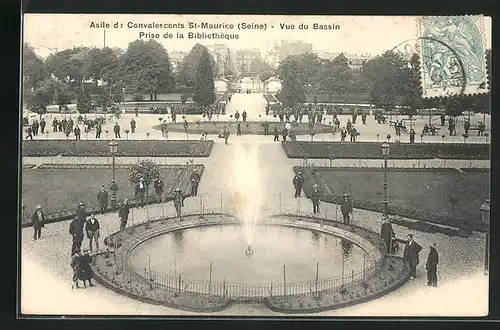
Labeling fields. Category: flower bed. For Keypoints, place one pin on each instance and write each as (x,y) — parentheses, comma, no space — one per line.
(422,194)
(371,150)
(59,188)
(131,148)
(249,127)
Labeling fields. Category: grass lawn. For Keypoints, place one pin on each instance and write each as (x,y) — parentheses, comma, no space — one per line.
(371,150)
(249,127)
(63,189)
(419,194)
(132,148)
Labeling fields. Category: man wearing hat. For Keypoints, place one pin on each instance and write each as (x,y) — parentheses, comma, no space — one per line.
(158,185)
(346,208)
(76,231)
(92,230)
(178,201)
(37,221)
(81,214)
(431,266)
(76,266)
(195,180)
(123,212)
(102,198)
(86,273)
(298,182)
(387,234)
(140,190)
(410,254)
(315,198)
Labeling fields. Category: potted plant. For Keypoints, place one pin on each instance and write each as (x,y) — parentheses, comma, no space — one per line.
(486,135)
(126,132)
(421,137)
(312,135)
(388,137)
(147,136)
(442,137)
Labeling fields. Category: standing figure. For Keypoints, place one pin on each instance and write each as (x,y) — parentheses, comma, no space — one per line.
(158,185)
(412,136)
(76,231)
(315,198)
(140,191)
(38,222)
(238,129)
(195,180)
(102,198)
(77,269)
(363,118)
(226,134)
(387,234)
(164,129)
(116,130)
(276,134)
(346,208)
(133,125)
(42,125)
(298,182)
(410,254)
(123,212)
(29,132)
(244,116)
(266,127)
(179,202)
(86,272)
(431,266)
(284,133)
(237,115)
(98,131)
(92,229)
(77,133)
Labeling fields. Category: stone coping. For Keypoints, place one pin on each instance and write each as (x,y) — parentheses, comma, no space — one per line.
(122,278)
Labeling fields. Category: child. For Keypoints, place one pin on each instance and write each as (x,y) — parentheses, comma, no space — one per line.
(77,269)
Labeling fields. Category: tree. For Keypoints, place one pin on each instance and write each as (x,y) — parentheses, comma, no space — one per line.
(292,90)
(145,69)
(412,89)
(204,89)
(101,64)
(262,69)
(38,100)
(306,68)
(188,68)
(33,68)
(145,169)
(60,91)
(334,77)
(385,75)
(84,102)
(70,65)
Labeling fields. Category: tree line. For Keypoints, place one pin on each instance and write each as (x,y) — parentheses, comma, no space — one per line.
(387,81)
(144,68)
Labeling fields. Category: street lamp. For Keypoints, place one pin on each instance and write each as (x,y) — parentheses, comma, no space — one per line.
(113,149)
(385,152)
(485,217)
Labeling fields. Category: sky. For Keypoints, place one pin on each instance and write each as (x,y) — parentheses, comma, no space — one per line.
(372,35)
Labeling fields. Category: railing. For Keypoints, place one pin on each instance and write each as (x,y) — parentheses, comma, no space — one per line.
(245,291)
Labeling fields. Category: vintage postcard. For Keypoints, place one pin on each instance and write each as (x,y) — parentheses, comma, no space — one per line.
(255,165)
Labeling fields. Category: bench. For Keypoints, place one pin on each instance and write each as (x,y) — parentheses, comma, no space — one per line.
(438,129)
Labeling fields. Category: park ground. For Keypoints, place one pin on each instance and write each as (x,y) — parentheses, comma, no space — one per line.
(46,274)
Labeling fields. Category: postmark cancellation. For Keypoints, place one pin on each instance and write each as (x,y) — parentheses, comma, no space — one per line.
(452,51)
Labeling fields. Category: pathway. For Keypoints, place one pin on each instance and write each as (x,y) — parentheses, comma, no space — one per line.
(46,272)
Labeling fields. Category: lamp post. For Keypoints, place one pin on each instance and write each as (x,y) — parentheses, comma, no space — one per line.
(385,152)
(485,217)
(113,148)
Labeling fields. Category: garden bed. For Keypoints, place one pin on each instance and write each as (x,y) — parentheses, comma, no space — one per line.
(249,127)
(421,194)
(59,188)
(371,150)
(126,148)
(393,274)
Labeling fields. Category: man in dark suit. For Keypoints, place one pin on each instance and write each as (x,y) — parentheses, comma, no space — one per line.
(195,180)
(298,182)
(315,198)
(37,221)
(123,212)
(410,254)
(431,266)
(387,234)
(76,231)
(102,197)
(346,208)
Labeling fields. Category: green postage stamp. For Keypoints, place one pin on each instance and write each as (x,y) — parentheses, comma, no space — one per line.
(452,52)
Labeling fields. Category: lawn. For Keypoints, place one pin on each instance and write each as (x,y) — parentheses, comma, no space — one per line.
(61,189)
(422,194)
(132,148)
(250,127)
(371,150)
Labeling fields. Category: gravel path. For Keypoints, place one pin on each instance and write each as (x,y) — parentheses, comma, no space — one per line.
(46,274)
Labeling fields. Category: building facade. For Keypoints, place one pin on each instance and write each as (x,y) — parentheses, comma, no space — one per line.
(244,59)
(291,48)
(354,61)
(176,58)
(222,57)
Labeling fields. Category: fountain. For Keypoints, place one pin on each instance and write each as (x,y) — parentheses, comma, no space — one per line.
(247,189)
